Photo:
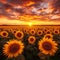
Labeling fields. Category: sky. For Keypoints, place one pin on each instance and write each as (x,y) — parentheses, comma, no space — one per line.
(15,12)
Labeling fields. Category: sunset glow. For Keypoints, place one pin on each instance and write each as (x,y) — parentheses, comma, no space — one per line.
(29,12)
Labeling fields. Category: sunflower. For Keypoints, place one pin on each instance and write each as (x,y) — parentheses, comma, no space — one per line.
(26,30)
(44,30)
(56,31)
(32,32)
(4,34)
(9,30)
(31,39)
(48,46)
(14,31)
(48,36)
(48,32)
(39,32)
(19,34)
(13,48)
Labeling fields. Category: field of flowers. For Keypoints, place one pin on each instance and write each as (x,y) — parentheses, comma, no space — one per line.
(30,42)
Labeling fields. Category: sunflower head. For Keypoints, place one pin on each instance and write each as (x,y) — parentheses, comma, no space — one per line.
(13,31)
(19,34)
(13,48)
(31,39)
(32,32)
(48,46)
(26,30)
(4,34)
(48,36)
(56,31)
(39,32)
(48,32)
(10,30)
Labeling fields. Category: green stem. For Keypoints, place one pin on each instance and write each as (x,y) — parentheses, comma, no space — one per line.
(47,57)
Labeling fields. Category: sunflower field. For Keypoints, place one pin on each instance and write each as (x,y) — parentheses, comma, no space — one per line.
(30,42)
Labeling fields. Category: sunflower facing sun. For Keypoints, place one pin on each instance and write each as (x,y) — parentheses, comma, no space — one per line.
(48,32)
(39,32)
(48,46)
(48,36)
(56,31)
(32,32)
(13,48)
(19,34)
(31,39)
(4,34)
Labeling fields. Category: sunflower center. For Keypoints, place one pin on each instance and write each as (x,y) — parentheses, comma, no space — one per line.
(47,46)
(14,48)
(14,31)
(19,34)
(39,32)
(56,31)
(4,34)
(48,36)
(31,39)
(48,32)
(32,32)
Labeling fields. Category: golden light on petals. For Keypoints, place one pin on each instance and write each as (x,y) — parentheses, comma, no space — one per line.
(48,36)
(39,32)
(26,30)
(48,32)
(32,32)
(19,34)
(4,34)
(9,30)
(56,31)
(48,46)
(31,39)
(13,48)
(14,31)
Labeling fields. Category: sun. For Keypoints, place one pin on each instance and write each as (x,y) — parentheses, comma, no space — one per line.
(30,23)
(13,48)
(48,46)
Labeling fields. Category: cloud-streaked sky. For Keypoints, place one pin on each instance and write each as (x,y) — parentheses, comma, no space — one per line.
(30,10)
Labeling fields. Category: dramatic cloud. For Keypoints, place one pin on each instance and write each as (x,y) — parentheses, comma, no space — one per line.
(29,10)
(57,4)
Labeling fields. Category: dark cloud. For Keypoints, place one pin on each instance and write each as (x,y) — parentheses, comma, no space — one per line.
(20,10)
(17,2)
(56,6)
(7,6)
(22,2)
(3,0)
